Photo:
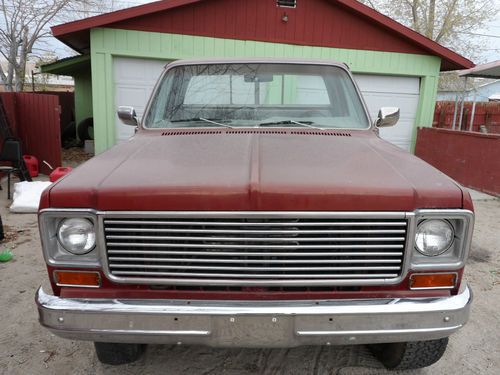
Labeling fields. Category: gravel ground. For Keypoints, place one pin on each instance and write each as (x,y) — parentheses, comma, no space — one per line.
(74,156)
(27,348)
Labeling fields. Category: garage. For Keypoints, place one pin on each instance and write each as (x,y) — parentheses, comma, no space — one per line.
(393,65)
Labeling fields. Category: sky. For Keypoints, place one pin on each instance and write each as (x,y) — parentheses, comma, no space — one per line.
(490,50)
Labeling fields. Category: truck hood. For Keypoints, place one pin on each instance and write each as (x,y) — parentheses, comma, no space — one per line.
(237,170)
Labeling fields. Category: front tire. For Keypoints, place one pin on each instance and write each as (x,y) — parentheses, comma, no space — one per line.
(410,355)
(118,354)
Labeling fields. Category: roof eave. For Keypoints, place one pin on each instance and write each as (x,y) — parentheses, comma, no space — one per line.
(117,16)
(489,70)
(68,66)
(453,60)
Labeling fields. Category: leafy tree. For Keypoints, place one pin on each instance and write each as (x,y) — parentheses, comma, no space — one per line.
(24,25)
(452,23)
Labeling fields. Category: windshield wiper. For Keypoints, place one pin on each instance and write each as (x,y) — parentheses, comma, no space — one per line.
(208,121)
(306,124)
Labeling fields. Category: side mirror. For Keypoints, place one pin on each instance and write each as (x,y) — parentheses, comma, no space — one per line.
(387,116)
(127,115)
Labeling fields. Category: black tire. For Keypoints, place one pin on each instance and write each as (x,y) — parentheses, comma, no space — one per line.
(409,355)
(118,354)
(85,129)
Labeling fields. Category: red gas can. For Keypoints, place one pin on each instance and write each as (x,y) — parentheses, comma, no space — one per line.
(32,165)
(59,172)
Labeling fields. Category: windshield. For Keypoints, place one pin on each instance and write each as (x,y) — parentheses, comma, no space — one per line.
(254,95)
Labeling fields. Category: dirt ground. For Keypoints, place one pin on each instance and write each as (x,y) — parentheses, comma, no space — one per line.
(26,348)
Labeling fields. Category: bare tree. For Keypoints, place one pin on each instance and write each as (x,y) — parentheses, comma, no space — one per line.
(24,23)
(453,23)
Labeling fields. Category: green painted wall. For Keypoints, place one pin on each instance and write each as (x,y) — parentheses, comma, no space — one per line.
(83,95)
(106,43)
(77,67)
(426,105)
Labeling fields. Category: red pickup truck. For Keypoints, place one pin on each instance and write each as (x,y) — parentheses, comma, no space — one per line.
(256,206)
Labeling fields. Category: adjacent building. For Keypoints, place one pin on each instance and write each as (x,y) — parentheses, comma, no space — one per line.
(483,92)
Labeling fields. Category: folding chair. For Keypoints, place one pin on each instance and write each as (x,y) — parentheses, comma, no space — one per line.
(11,152)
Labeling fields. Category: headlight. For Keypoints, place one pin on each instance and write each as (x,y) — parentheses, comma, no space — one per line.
(434,237)
(76,235)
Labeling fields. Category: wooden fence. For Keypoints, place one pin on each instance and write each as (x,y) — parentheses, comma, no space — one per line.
(486,117)
(35,119)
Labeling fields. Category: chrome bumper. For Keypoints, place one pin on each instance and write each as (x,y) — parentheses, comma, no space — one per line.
(256,323)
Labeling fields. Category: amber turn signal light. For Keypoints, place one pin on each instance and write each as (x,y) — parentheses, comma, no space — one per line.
(433,281)
(77,279)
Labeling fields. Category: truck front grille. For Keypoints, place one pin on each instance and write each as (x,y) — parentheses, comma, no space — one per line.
(234,249)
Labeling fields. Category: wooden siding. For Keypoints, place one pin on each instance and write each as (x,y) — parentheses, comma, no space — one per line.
(83,95)
(107,43)
(131,43)
(260,20)
(313,22)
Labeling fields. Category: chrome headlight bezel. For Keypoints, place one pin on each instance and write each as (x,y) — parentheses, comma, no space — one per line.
(455,255)
(54,252)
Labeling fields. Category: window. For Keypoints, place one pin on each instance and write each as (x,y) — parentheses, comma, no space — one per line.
(249,95)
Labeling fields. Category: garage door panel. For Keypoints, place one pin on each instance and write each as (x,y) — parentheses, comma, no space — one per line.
(137,70)
(406,103)
(133,96)
(134,80)
(390,91)
(388,84)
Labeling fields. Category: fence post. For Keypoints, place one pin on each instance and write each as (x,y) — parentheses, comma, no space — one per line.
(455,112)
(473,112)
(463,104)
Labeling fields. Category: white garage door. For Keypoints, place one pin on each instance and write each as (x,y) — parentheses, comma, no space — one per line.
(134,79)
(388,91)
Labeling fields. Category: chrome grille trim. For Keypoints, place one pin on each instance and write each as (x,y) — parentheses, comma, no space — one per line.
(227,268)
(290,247)
(294,276)
(285,261)
(249,254)
(162,230)
(215,223)
(255,239)
(175,248)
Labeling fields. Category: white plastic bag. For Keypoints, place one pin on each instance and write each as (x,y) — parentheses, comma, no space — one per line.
(27,196)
